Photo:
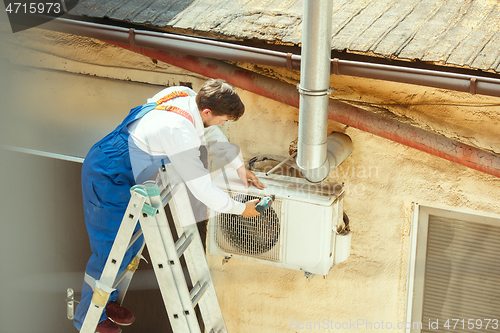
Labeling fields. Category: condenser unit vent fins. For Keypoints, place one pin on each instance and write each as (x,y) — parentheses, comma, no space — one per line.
(257,237)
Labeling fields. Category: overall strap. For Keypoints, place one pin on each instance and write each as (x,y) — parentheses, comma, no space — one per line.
(177,110)
(171,96)
(171,108)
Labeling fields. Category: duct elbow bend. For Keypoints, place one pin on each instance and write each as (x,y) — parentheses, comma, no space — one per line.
(339,147)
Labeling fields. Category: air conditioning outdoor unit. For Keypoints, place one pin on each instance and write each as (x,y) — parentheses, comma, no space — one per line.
(298,232)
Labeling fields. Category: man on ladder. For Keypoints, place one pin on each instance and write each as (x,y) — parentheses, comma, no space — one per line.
(170,128)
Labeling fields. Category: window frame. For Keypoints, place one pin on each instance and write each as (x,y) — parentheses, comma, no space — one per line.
(418,255)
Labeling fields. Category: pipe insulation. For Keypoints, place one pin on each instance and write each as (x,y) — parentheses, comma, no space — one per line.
(473,84)
(408,135)
(415,137)
(405,134)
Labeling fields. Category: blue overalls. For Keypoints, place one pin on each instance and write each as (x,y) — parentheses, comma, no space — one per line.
(107,177)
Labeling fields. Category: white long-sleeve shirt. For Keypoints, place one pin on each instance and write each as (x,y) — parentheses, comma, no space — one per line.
(163,134)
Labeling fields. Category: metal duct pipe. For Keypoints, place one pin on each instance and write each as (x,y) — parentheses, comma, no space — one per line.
(339,147)
(227,51)
(313,88)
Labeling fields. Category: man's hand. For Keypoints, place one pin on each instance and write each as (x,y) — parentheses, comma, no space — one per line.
(246,175)
(250,210)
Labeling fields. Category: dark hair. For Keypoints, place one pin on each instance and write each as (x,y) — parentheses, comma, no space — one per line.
(220,97)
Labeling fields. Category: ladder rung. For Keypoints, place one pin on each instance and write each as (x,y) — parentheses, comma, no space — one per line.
(182,244)
(166,195)
(134,238)
(197,292)
(120,278)
(195,289)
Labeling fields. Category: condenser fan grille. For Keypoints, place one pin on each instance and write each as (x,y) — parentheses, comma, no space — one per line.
(257,237)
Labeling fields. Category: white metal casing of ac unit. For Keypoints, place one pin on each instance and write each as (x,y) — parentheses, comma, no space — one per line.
(299,231)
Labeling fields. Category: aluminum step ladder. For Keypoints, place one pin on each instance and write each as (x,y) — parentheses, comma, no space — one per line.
(147,206)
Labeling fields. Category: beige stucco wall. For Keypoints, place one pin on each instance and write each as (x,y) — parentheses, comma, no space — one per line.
(381,178)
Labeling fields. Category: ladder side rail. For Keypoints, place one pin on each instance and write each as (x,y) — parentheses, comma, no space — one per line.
(122,283)
(168,269)
(104,286)
(199,273)
(208,303)
(196,261)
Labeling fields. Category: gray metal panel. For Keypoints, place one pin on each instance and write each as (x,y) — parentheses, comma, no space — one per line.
(481,27)
(345,23)
(488,57)
(412,20)
(152,12)
(270,20)
(358,33)
(452,33)
(43,245)
(392,14)
(433,34)
(63,113)
(44,248)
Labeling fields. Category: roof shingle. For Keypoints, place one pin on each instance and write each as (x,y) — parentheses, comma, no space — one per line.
(454,32)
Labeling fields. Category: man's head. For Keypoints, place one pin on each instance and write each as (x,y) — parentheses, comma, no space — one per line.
(218,102)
